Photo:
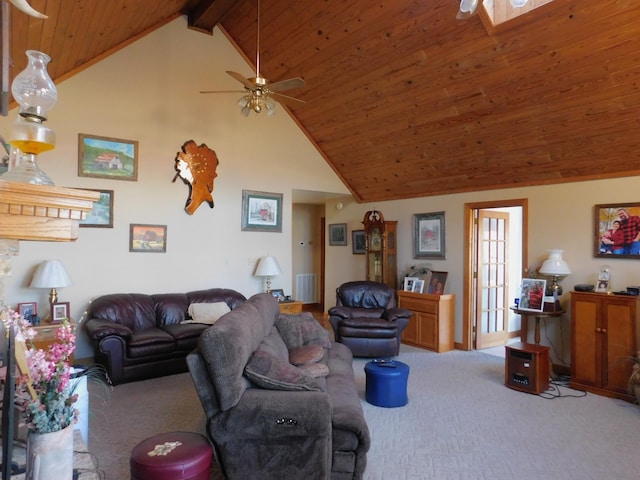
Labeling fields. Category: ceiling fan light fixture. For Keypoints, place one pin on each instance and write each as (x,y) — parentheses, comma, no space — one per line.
(518,3)
(467,9)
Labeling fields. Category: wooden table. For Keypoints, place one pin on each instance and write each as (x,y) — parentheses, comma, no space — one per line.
(524,325)
(291,308)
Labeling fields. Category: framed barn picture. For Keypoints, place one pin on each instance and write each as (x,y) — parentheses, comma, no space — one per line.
(105,157)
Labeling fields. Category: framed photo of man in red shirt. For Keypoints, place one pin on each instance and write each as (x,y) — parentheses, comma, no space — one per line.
(617,230)
(532,294)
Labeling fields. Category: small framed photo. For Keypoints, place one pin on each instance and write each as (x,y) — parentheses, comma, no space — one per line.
(603,286)
(147,238)
(408,283)
(418,286)
(436,282)
(28,309)
(278,293)
(261,211)
(532,294)
(429,235)
(101,215)
(358,239)
(338,234)
(105,157)
(59,312)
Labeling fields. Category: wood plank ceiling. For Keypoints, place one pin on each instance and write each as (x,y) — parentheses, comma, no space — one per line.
(402,99)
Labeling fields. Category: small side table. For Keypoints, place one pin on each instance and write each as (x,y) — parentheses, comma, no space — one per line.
(524,326)
(47,335)
(291,308)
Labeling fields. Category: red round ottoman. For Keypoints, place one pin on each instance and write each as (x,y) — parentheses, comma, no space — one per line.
(172,456)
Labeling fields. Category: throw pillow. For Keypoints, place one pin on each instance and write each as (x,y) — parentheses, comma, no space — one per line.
(208,313)
(315,370)
(306,355)
(300,330)
(266,371)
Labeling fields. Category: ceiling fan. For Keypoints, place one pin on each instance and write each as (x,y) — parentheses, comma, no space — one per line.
(468,8)
(259,94)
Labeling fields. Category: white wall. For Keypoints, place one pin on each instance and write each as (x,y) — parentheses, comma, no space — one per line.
(149,92)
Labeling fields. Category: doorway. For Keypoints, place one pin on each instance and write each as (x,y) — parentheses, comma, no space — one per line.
(496,235)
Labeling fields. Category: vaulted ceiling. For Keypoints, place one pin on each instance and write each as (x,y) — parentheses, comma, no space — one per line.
(402,99)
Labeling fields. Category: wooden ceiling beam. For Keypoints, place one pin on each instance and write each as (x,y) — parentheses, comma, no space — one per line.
(208,13)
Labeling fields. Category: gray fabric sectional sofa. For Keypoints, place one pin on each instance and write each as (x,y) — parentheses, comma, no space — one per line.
(268,418)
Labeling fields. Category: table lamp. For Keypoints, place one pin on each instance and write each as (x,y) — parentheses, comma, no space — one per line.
(555,267)
(267,267)
(51,274)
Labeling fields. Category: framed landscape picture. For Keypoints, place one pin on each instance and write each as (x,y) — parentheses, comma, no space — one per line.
(338,234)
(616,225)
(429,235)
(147,238)
(359,240)
(261,211)
(101,215)
(105,157)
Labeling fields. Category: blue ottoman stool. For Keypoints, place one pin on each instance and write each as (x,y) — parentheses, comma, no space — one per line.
(387,383)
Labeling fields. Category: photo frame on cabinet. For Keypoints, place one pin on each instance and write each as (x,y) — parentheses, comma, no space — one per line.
(615,225)
(59,312)
(437,282)
(106,157)
(409,283)
(278,293)
(338,234)
(532,294)
(418,286)
(359,241)
(429,235)
(261,211)
(28,309)
(101,215)
(147,238)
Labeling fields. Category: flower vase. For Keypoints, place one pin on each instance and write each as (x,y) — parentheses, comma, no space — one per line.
(50,455)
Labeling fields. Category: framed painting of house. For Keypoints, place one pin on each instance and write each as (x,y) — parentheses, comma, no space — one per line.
(105,157)
(261,211)
(147,238)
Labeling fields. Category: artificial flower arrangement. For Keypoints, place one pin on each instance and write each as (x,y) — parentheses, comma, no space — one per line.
(44,393)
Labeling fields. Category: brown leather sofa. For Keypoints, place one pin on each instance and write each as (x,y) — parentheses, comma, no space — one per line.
(367,320)
(137,336)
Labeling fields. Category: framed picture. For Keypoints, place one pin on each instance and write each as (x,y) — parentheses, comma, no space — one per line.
(358,240)
(532,294)
(28,309)
(338,234)
(59,312)
(278,293)
(418,286)
(105,157)
(147,238)
(436,282)
(408,283)
(261,211)
(101,215)
(616,226)
(603,286)
(429,235)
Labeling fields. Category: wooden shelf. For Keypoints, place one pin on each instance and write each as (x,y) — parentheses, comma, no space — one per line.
(42,212)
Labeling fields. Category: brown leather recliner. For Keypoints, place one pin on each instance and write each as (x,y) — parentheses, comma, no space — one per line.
(367,320)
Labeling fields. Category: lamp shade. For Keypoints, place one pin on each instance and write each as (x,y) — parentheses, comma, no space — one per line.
(267,267)
(555,264)
(50,274)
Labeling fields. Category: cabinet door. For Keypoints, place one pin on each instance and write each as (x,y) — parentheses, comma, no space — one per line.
(619,332)
(410,333)
(428,332)
(584,352)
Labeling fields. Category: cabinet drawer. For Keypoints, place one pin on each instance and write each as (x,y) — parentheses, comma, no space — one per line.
(291,308)
(419,305)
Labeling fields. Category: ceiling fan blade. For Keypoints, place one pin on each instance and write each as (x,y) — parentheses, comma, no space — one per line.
(245,81)
(223,91)
(286,99)
(289,84)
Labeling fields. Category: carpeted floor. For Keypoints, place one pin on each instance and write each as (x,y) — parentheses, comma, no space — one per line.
(461,423)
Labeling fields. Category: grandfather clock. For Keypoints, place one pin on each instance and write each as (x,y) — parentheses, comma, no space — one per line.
(381,253)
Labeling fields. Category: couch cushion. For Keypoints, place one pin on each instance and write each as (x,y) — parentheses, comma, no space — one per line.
(302,329)
(208,313)
(306,355)
(267,371)
(133,310)
(315,370)
(150,341)
(171,308)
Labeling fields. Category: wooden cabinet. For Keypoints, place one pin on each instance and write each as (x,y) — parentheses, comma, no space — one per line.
(47,336)
(380,249)
(604,333)
(431,325)
(291,308)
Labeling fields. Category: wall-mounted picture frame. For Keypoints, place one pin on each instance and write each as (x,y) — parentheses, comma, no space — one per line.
(59,312)
(28,309)
(429,235)
(408,283)
(101,215)
(107,157)
(359,242)
(532,294)
(261,211)
(615,227)
(437,282)
(338,234)
(418,286)
(147,238)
